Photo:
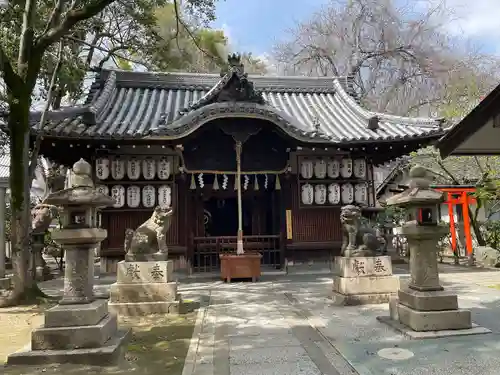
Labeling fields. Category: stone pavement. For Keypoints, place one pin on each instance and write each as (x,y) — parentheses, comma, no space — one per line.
(286,325)
(247,330)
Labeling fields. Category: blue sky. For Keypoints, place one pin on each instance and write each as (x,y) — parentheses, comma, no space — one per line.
(256,25)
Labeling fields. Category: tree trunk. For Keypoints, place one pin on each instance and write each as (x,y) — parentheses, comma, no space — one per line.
(24,286)
(476,227)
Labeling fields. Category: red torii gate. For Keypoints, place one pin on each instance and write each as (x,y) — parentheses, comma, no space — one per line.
(459,195)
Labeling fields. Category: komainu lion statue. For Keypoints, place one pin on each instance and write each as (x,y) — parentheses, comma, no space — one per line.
(42,216)
(358,239)
(148,241)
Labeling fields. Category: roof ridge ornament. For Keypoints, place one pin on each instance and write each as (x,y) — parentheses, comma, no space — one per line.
(234,86)
(235,65)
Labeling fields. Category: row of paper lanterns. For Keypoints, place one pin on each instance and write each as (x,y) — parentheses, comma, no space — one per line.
(132,196)
(133,168)
(347,193)
(333,168)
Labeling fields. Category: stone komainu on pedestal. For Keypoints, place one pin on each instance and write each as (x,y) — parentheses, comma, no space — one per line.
(359,240)
(145,283)
(361,274)
(148,242)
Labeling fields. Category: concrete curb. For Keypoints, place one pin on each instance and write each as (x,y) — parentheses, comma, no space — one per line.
(190,361)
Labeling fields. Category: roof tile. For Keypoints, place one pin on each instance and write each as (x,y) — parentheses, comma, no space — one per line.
(134,104)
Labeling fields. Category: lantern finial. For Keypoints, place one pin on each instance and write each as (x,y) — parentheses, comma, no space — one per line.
(419,177)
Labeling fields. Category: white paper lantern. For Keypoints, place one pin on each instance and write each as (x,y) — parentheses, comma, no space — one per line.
(360,168)
(361,193)
(307,194)
(320,168)
(346,168)
(148,196)
(133,196)
(334,193)
(117,169)
(118,194)
(347,193)
(103,189)
(320,194)
(306,169)
(148,169)
(102,168)
(163,168)
(333,168)
(164,196)
(133,169)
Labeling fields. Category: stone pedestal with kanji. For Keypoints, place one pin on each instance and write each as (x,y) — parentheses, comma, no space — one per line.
(144,288)
(363,280)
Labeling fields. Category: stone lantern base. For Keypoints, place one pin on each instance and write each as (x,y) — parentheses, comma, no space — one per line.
(5,283)
(363,280)
(79,334)
(144,288)
(429,314)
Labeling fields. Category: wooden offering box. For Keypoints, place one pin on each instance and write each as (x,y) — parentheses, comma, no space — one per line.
(245,266)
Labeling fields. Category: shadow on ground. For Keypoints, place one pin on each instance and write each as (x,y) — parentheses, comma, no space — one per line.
(158,346)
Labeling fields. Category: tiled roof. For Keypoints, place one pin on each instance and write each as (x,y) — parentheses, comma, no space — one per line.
(133,105)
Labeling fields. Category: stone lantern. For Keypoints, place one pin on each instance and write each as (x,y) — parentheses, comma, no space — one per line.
(423,308)
(77,236)
(422,229)
(80,329)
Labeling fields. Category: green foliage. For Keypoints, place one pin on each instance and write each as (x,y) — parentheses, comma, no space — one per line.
(491,234)
(52,248)
(463,93)
(481,171)
(192,47)
(391,216)
(123,35)
(455,170)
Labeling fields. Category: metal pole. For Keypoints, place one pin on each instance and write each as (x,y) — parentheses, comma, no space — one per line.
(239,238)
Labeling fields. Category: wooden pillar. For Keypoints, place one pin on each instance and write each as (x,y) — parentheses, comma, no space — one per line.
(2,232)
(451,215)
(465,209)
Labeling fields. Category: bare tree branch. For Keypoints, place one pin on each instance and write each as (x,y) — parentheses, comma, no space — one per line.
(398,55)
(10,77)
(39,138)
(26,39)
(71,19)
(109,52)
(186,27)
(55,15)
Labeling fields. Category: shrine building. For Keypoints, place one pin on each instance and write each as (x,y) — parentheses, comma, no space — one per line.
(477,133)
(307,148)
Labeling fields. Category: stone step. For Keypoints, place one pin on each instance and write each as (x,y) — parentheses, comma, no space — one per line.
(75,337)
(146,308)
(109,354)
(146,292)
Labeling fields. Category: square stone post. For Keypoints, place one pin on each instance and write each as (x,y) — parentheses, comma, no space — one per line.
(144,288)
(363,280)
